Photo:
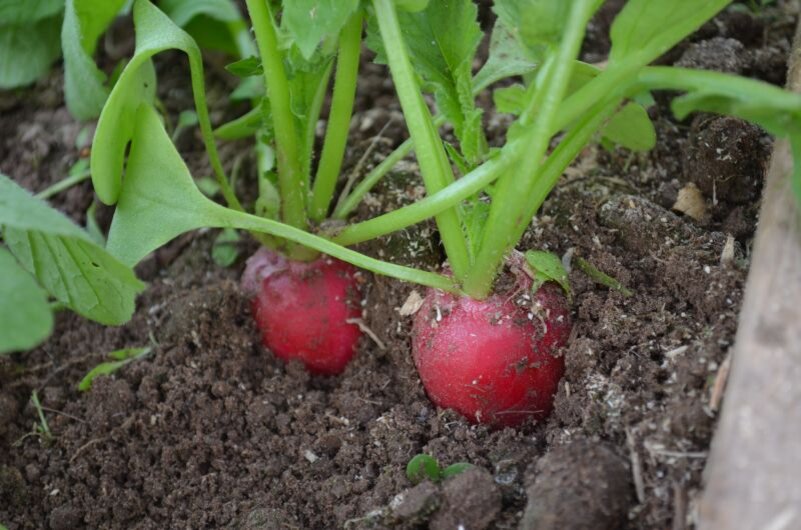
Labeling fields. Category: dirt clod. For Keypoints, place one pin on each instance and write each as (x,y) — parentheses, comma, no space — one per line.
(725,157)
(581,486)
(471,499)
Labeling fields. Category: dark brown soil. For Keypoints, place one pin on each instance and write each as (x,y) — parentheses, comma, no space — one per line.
(211,431)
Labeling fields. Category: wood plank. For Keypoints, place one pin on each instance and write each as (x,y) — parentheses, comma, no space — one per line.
(753,477)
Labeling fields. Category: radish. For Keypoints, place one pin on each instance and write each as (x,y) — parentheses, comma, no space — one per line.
(304,310)
(497,360)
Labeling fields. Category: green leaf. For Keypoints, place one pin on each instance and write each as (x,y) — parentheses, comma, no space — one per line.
(21,12)
(183,11)
(507,58)
(646,29)
(246,67)
(511,99)
(536,24)
(212,34)
(475,216)
(422,467)
(84,84)
(24,310)
(121,358)
(600,277)
(65,260)
(631,128)
(455,469)
(225,249)
(27,51)
(155,32)
(309,22)
(547,267)
(412,6)
(442,41)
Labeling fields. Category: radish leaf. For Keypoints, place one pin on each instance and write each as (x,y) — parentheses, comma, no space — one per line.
(121,358)
(84,84)
(308,22)
(37,42)
(422,467)
(507,58)
(442,41)
(631,128)
(24,311)
(646,29)
(19,12)
(547,267)
(65,260)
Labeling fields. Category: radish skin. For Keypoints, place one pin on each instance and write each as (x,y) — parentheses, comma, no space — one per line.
(302,309)
(496,361)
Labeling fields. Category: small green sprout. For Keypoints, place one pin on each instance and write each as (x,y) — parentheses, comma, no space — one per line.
(41,428)
(599,277)
(547,267)
(119,359)
(423,466)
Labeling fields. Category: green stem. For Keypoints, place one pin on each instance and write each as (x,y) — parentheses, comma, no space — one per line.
(478,179)
(206,131)
(241,127)
(63,184)
(290,176)
(348,203)
(506,221)
(434,165)
(228,218)
(336,133)
(310,130)
(687,80)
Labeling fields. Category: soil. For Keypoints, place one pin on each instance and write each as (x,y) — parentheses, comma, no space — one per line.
(211,431)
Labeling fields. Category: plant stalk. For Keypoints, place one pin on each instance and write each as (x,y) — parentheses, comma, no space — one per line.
(290,175)
(506,221)
(336,133)
(434,165)
(478,179)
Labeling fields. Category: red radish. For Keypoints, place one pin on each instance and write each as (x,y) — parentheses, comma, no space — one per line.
(303,309)
(496,361)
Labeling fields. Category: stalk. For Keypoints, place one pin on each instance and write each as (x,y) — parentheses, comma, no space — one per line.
(480,178)
(310,131)
(431,156)
(506,221)
(63,184)
(290,175)
(336,133)
(349,202)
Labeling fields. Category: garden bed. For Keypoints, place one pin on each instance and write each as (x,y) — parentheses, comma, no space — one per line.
(211,431)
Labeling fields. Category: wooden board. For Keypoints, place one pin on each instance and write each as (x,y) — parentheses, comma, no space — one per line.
(753,478)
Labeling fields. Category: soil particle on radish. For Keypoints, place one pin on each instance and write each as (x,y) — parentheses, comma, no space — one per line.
(581,486)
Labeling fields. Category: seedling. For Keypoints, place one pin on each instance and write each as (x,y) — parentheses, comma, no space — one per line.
(40,429)
(560,105)
(599,276)
(119,358)
(423,466)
